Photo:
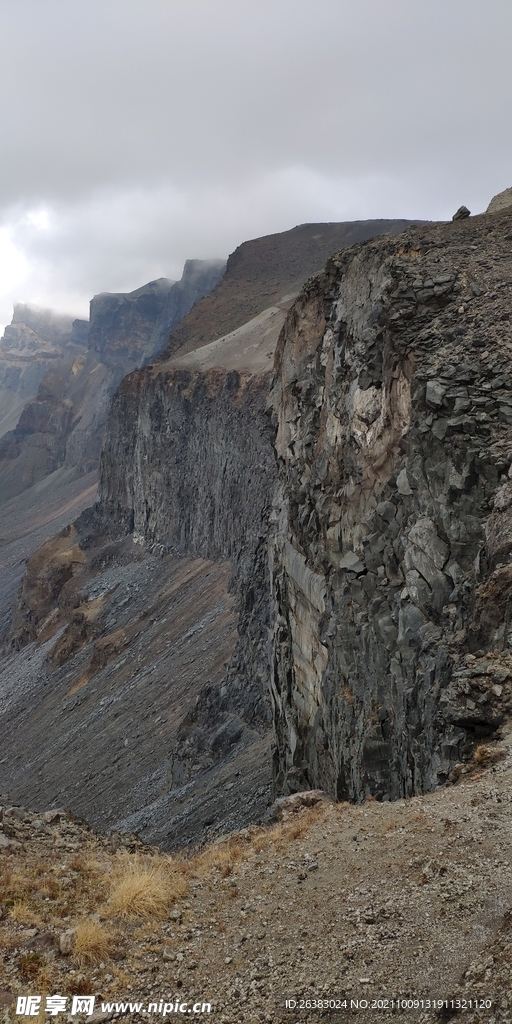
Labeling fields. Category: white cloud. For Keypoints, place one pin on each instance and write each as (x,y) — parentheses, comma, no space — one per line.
(139,133)
(14,272)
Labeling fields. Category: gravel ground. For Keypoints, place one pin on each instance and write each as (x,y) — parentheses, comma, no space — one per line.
(381,901)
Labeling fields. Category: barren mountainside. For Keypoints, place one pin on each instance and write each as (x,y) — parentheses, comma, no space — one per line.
(188,472)
(262,271)
(63,383)
(296,584)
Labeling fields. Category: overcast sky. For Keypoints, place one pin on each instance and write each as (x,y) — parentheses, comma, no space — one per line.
(138,133)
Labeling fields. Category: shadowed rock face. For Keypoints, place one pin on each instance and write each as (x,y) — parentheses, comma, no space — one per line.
(129,328)
(189,466)
(122,323)
(34,342)
(391,543)
(134,641)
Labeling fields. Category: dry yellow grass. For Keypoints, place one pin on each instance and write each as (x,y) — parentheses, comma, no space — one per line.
(145,887)
(30,964)
(485,754)
(93,942)
(221,857)
(23,913)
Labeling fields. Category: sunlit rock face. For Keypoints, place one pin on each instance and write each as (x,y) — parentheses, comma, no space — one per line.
(391,543)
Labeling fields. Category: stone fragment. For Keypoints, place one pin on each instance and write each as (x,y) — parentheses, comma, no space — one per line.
(402,483)
(296,802)
(42,941)
(462,213)
(386,510)
(54,815)
(352,562)
(435,393)
(67,941)
(424,536)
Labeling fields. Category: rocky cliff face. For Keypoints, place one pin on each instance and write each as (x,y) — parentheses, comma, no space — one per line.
(33,343)
(198,280)
(129,328)
(122,324)
(391,540)
(189,466)
(62,375)
(163,645)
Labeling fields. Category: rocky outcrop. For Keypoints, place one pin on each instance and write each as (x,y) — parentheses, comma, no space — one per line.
(500,202)
(391,540)
(122,323)
(129,328)
(199,278)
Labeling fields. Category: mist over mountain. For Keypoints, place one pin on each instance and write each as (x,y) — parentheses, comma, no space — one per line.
(59,375)
(30,345)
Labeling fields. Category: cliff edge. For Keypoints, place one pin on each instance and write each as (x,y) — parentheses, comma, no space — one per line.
(391,543)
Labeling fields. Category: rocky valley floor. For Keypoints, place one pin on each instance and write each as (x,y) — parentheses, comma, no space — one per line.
(381,901)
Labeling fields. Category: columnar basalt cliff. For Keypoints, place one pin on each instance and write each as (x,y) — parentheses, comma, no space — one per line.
(391,539)
(189,466)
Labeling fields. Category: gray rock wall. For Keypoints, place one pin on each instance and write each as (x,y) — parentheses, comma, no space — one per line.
(189,465)
(391,572)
